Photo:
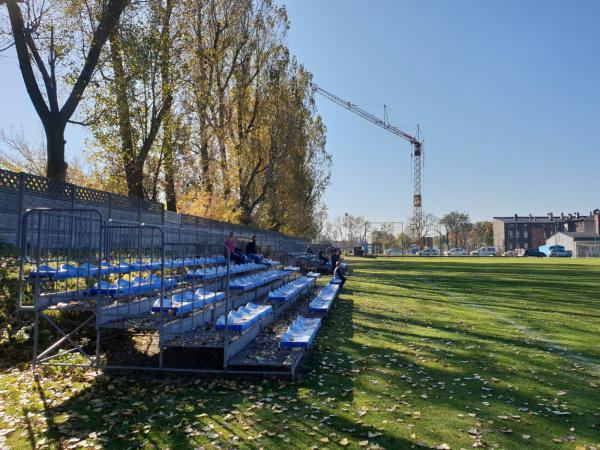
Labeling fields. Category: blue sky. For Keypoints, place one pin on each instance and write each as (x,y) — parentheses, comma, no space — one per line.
(507,95)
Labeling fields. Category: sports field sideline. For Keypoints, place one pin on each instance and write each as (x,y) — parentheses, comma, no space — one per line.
(418,353)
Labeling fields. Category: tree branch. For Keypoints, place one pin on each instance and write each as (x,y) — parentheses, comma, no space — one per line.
(20,37)
(108,22)
(154,128)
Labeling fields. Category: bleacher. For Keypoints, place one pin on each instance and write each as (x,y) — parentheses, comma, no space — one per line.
(161,285)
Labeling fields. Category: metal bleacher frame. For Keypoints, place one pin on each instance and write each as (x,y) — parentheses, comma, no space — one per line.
(77,236)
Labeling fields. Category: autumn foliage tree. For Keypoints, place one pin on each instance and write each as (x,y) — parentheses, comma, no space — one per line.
(196,103)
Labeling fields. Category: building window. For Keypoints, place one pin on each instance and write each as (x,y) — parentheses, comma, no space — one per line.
(525,245)
(525,234)
(510,234)
(518,234)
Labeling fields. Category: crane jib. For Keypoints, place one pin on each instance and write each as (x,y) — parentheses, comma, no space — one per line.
(415,142)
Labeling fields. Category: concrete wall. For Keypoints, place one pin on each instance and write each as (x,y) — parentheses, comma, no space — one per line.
(20,191)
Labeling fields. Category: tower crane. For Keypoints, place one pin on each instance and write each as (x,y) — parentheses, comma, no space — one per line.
(416,143)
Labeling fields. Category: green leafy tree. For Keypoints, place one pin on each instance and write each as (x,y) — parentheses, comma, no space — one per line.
(135,98)
(457,225)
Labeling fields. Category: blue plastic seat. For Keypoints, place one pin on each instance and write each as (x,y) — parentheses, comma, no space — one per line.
(301,333)
(244,317)
(187,301)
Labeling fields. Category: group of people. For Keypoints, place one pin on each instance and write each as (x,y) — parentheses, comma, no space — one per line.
(336,262)
(237,256)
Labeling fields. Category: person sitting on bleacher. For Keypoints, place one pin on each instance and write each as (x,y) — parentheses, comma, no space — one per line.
(251,250)
(339,273)
(335,257)
(233,253)
(322,258)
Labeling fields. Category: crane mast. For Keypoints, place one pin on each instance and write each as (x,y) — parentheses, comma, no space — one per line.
(417,146)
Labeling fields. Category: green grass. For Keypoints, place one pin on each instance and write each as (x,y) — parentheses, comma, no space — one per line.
(419,352)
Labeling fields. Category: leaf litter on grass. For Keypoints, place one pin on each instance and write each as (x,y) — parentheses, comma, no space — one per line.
(414,376)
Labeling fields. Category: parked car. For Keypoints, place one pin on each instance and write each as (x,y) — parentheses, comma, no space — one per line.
(485,251)
(560,253)
(556,250)
(534,252)
(429,252)
(393,252)
(456,252)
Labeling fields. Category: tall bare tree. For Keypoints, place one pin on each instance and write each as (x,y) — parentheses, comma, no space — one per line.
(35,34)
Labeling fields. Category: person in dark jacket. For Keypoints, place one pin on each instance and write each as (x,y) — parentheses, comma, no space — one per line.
(335,257)
(322,258)
(251,251)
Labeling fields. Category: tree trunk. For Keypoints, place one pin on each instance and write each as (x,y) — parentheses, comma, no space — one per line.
(168,144)
(169,164)
(223,149)
(207,184)
(246,215)
(56,167)
(134,174)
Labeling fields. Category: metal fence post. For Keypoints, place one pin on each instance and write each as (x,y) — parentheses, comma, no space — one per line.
(21,202)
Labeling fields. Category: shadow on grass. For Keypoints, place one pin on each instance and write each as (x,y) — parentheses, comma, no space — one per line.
(157,411)
(166,410)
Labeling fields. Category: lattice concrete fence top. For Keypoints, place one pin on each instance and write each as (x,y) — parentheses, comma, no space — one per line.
(22,191)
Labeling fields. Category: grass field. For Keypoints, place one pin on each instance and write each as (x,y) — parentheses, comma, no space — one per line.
(421,352)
